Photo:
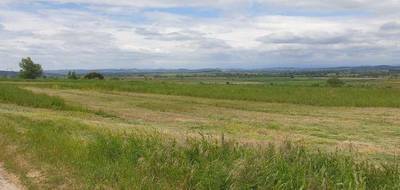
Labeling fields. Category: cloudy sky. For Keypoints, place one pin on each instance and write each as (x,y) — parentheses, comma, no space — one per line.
(89,34)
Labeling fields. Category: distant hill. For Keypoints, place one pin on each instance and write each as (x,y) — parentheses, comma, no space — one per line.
(277,71)
(374,71)
(130,71)
(8,74)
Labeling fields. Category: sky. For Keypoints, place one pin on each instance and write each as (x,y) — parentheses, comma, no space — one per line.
(192,34)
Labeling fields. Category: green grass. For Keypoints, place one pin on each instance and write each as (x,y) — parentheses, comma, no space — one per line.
(22,97)
(90,153)
(84,157)
(307,95)
(16,95)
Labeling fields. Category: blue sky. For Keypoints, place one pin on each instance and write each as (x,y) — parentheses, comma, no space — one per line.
(91,34)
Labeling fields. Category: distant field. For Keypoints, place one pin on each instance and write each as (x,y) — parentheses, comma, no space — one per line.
(356,96)
(185,135)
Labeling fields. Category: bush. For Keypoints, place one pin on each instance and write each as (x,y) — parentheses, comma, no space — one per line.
(335,82)
(94,75)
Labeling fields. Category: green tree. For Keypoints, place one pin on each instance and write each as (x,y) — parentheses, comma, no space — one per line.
(30,70)
(72,75)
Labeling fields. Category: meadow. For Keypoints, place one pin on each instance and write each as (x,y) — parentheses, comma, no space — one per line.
(60,134)
(353,96)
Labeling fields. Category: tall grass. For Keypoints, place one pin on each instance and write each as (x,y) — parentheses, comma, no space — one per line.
(22,97)
(82,157)
(320,96)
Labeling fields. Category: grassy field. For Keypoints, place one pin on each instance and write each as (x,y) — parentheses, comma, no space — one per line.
(356,96)
(168,135)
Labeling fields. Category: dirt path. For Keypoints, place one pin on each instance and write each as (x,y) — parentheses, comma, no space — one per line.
(5,182)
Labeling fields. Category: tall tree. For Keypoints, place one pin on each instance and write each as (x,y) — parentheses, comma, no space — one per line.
(30,70)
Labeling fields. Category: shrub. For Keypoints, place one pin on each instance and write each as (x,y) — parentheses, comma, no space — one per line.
(335,82)
(94,75)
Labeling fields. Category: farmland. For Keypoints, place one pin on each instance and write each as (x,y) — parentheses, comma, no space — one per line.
(277,133)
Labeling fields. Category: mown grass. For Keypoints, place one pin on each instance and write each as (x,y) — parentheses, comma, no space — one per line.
(82,157)
(14,94)
(307,95)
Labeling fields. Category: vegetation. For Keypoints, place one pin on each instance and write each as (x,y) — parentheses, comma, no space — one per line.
(335,82)
(94,75)
(30,70)
(90,158)
(13,94)
(72,75)
(320,127)
(308,95)
(337,147)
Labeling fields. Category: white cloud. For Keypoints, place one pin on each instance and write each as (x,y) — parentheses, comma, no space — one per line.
(98,37)
(391,26)
(383,6)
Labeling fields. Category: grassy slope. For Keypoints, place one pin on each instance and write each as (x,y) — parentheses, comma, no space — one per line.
(320,96)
